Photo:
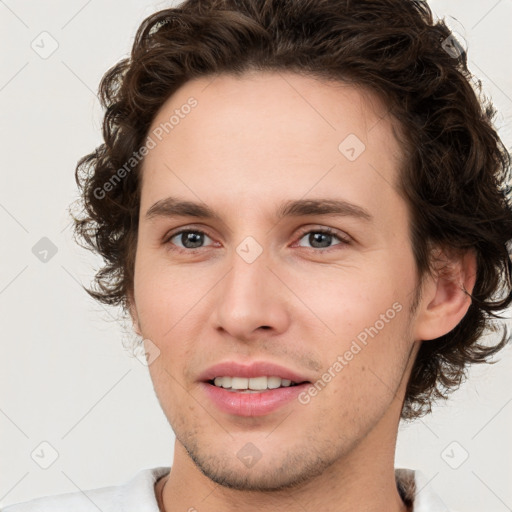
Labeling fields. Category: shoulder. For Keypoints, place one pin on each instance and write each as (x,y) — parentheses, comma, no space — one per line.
(137,494)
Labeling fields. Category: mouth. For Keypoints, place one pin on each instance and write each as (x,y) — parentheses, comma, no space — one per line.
(255,389)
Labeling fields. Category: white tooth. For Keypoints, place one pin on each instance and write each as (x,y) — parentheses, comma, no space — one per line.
(285,382)
(258,383)
(226,382)
(273,382)
(239,383)
(218,381)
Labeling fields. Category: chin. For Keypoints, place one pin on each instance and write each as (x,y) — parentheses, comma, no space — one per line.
(280,472)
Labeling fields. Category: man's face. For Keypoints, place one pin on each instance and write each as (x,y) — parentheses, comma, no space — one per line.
(324,296)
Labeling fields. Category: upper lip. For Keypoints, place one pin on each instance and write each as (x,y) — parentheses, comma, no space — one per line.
(254,369)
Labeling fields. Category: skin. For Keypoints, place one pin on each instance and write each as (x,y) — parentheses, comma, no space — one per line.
(251,143)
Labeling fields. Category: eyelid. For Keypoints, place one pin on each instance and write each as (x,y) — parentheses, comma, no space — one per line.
(191,231)
(340,235)
(166,240)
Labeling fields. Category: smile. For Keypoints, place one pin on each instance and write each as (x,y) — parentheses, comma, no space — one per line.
(253,384)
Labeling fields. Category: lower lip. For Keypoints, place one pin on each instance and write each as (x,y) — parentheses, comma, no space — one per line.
(252,404)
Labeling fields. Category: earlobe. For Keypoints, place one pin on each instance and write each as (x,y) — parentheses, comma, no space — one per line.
(446,296)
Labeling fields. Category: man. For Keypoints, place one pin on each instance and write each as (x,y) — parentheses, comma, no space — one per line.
(301,205)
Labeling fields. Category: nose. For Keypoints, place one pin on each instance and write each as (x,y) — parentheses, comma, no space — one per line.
(251,300)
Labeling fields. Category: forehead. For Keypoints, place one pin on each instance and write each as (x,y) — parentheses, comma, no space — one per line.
(270,132)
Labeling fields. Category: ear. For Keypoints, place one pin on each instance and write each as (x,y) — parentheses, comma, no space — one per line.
(133,312)
(444,300)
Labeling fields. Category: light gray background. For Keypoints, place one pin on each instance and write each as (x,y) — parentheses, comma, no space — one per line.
(65,377)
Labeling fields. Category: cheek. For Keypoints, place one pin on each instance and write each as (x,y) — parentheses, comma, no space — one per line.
(363,370)
(167,317)
(167,297)
(346,300)
(362,315)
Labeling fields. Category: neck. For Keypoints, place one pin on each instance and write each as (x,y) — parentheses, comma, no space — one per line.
(364,479)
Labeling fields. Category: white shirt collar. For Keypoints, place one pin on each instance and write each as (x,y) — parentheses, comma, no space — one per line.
(139,494)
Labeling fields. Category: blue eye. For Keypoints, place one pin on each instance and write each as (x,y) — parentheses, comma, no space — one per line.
(321,239)
(189,239)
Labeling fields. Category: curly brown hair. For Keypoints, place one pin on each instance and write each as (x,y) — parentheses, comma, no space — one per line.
(457,168)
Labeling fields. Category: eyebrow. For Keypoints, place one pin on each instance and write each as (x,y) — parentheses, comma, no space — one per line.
(173,207)
(323,207)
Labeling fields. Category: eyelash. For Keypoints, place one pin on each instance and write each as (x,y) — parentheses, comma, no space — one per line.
(344,240)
